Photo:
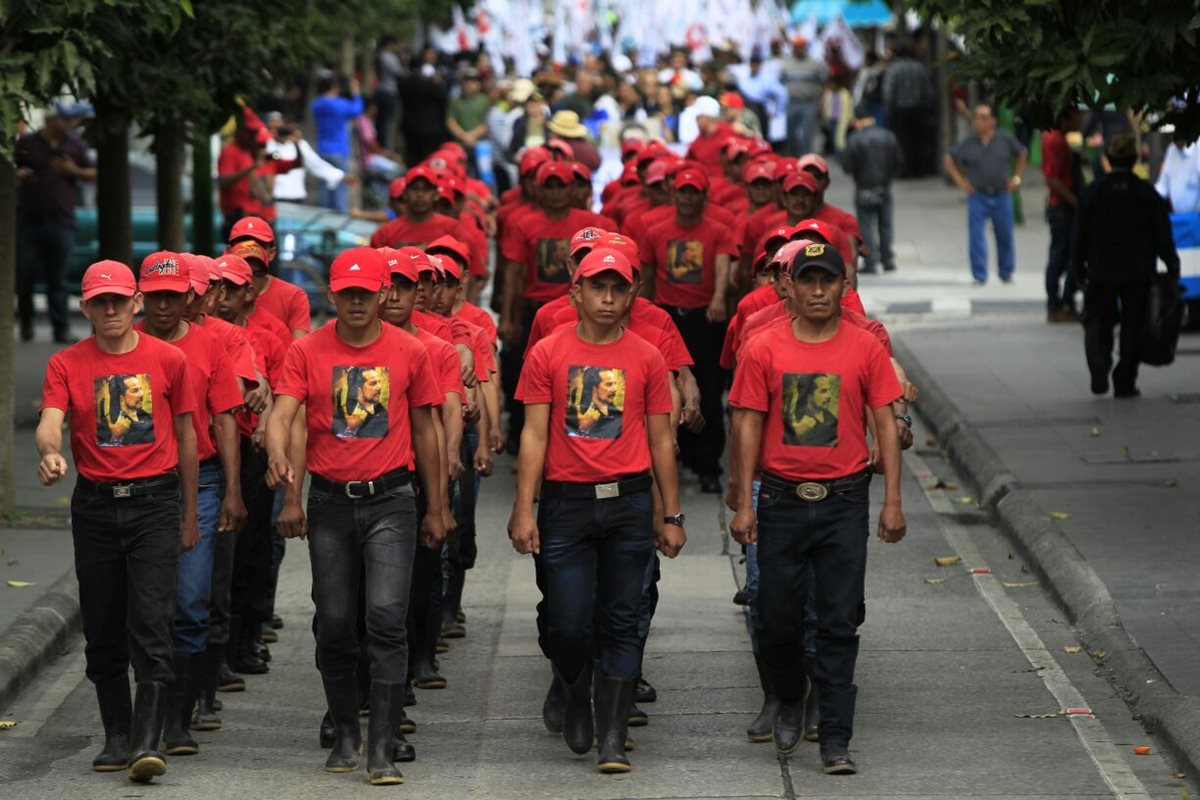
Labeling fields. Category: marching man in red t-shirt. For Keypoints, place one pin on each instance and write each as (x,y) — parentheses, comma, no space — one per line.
(130,401)
(597,423)
(368,389)
(804,390)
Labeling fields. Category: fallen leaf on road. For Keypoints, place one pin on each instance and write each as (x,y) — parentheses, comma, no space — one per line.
(1058,516)
(13,562)
(1099,655)
(951,485)
(930,442)
(1178,776)
(935,581)
(63,501)
(1141,750)
(947,561)
(1172,484)
(1072,649)
(965,500)
(20,584)
(7,724)
(1018,584)
(1095,431)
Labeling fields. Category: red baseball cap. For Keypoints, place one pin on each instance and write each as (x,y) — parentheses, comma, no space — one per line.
(533,158)
(801,179)
(459,152)
(561,149)
(234,269)
(623,245)
(757,147)
(449,267)
(785,167)
(586,237)
(784,233)
(691,176)
(358,268)
(444,192)
(397,187)
(785,255)
(398,263)
(197,272)
(629,175)
(815,161)
(581,172)
(108,277)
(248,249)
(421,172)
(650,152)
(454,184)
(255,228)
(761,170)
(734,148)
(448,244)
(555,169)
(732,99)
(759,263)
(604,259)
(630,147)
(808,226)
(657,171)
(164,271)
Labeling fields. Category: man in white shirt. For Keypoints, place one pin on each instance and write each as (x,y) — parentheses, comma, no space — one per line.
(1179,179)
(286,140)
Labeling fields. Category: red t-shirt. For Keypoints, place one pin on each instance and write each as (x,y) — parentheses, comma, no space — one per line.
(761,297)
(1057,163)
(829,215)
(543,246)
(649,322)
(269,351)
(261,318)
(851,310)
(758,223)
(237,347)
(545,319)
(403,232)
(122,407)
(235,197)
(597,408)
(477,316)
(213,382)
(471,234)
(814,397)
(730,196)
(476,338)
(286,302)
(444,359)
(684,260)
(640,225)
(358,399)
(707,149)
(845,221)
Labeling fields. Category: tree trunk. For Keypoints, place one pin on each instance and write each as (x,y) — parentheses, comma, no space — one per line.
(114,202)
(8,276)
(203,235)
(168,183)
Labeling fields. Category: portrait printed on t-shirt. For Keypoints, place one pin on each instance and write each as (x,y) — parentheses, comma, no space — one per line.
(552,255)
(685,261)
(595,402)
(810,408)
(124,410)
(360,402)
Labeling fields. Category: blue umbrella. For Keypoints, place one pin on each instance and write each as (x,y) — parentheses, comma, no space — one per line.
(869,13)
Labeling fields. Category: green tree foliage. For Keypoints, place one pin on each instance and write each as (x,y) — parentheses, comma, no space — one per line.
(1042,56)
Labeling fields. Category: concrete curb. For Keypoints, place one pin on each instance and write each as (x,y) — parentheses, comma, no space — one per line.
(37,636)
(1162,710)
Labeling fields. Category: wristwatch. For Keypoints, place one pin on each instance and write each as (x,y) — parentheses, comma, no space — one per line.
(906,419)
(676,520)
(1016,180)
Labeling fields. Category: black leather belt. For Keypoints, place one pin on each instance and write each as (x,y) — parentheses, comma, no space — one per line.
(815,491)
(631,484)
(166,482)
(360,490)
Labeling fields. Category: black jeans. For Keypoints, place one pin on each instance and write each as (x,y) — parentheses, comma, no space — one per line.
(831,536)
(1060,286)
(593,566)
(427,591)
(126,550)
(512,358)
(702,451)
(1105,305)
(250,595)
(372,540)
(44,251)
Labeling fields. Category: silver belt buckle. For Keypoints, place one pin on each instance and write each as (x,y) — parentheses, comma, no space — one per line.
(812,492)
(607,491)
(350,492)
(124,490)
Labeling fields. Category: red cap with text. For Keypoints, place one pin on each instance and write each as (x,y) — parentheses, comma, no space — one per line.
(252,228)
(358,268)
(250,250)
(604,259)
(108,277)
(164,272)
(585,237)
(402,264)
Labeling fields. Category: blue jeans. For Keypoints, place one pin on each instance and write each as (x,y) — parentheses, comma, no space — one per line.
(830,537)
(801,124)
(997,208)
(193,581)
(373,539)
(593,561)
(44,250)
(338,197)
(875,222)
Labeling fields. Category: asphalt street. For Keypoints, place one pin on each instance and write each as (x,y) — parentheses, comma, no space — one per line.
(953,665)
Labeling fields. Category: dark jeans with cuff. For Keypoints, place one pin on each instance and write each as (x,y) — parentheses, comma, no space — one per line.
(702,451)
(830,536)
(126,551)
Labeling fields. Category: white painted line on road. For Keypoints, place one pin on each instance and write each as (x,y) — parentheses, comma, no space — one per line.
(43,708)
(1091,732)
(945,305)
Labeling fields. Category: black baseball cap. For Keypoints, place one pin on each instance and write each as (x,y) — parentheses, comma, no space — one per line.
(820,255)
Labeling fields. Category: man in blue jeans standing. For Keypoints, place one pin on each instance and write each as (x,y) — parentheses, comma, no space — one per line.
(332,113)
(981,165)
(597,427)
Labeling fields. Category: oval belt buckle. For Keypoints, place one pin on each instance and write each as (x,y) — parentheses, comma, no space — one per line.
(812,492)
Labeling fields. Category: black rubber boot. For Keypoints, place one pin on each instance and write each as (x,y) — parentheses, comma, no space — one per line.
(387,699)
(245,661)
(760,729)
(327,735)
(146,762)
(181,697)
(116,714)
(205,717)
(552,708)
(812,709)
(227,679)
(789,725)
(426,676)
(613,699)
(451,627)
(402,749)
(578,726)
(341,693)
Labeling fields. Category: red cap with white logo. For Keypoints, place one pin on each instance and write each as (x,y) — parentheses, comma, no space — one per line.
(108,277)
(358,268)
